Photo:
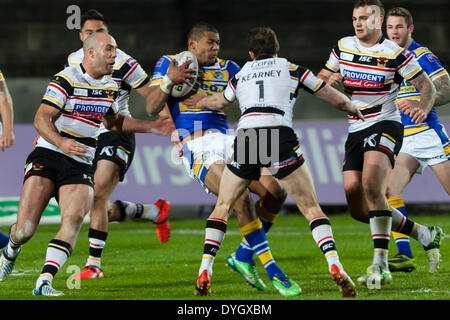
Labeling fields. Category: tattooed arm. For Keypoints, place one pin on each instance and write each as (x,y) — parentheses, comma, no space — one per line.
(442,85)
(7,115)
(427,97)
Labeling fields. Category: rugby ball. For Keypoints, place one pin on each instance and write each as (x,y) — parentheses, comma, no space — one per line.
(181,89)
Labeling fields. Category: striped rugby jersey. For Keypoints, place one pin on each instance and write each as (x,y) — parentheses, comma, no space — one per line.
(127,73)
(211,79)
(267,89)
(373,77)
(83,102)
(431,65)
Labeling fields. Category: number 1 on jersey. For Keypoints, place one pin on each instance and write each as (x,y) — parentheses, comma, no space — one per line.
(260,83)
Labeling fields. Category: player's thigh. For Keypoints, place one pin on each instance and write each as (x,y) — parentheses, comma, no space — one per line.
(36,194)
(375,174)
(442,171)
(214,176)
(270,190)
(300,186)
(106,178)
(231,189)
(75,200)
(401,174)
(355,196)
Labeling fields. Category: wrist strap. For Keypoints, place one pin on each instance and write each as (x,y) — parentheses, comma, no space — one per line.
(165,84)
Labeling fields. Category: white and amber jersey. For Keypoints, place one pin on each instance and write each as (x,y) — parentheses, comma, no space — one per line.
(83,102)
(372,77)
(127,73)
(267,89)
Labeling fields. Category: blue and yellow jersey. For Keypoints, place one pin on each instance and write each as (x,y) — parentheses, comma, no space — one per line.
(431,65)
(211,79)
(1,75)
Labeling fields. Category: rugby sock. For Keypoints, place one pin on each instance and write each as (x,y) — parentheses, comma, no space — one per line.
(3,240)
(404,225)
(97,240)
(57,253)
(380,226)
(245,253)
(323,236)
(215,232)
(12,249)
(130,210)
(256,238)
(401,240)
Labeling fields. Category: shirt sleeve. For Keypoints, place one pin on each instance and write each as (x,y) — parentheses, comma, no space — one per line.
(57,92)
(332,63)
(430,64)
(133,74)
(407,66)
(230,91)
(308,81)
(160,70)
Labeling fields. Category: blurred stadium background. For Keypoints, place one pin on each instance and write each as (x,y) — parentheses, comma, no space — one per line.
(35,42)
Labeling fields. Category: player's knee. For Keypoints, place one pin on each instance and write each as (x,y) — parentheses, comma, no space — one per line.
(24,232)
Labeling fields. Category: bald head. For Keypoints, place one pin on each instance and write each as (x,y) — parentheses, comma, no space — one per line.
(99,53)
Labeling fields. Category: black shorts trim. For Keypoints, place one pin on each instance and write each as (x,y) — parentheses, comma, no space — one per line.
(274,148)
(384,136)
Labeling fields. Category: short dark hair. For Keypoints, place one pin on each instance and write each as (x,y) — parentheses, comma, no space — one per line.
(91,14)
(198,30)
(363,3)
(263,42)
(401,12)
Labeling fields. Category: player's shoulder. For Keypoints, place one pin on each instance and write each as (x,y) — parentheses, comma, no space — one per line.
(346,43)
(419,50)
(228,65)
(392,48)
(76,57)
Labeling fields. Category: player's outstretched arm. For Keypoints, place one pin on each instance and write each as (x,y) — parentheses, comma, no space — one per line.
(163,125)
(427,96)
(6,112)
(339,101)
(216,101)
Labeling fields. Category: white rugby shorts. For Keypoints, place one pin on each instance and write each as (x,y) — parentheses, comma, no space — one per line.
(426,147)
(200,153)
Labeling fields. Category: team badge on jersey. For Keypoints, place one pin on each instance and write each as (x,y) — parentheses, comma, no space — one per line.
(381,62)
(110,93)
(218,75)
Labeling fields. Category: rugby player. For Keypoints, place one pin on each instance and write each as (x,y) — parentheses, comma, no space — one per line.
(205,145)
(425,143)
(115,151)
(61,163)
(267,88)
(6,131)
(372,69)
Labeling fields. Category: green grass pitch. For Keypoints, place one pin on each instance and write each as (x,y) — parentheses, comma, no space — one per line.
(138,267)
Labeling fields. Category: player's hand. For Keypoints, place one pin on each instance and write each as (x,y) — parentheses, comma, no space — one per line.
(355,112)
(71,147)
(335,79)
(192,101)
(175,137)
(411,108)
(163,126)
(35,141)
(6,140)
(180,74)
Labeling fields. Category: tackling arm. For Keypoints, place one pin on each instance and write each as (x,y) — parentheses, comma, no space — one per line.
(338,100)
